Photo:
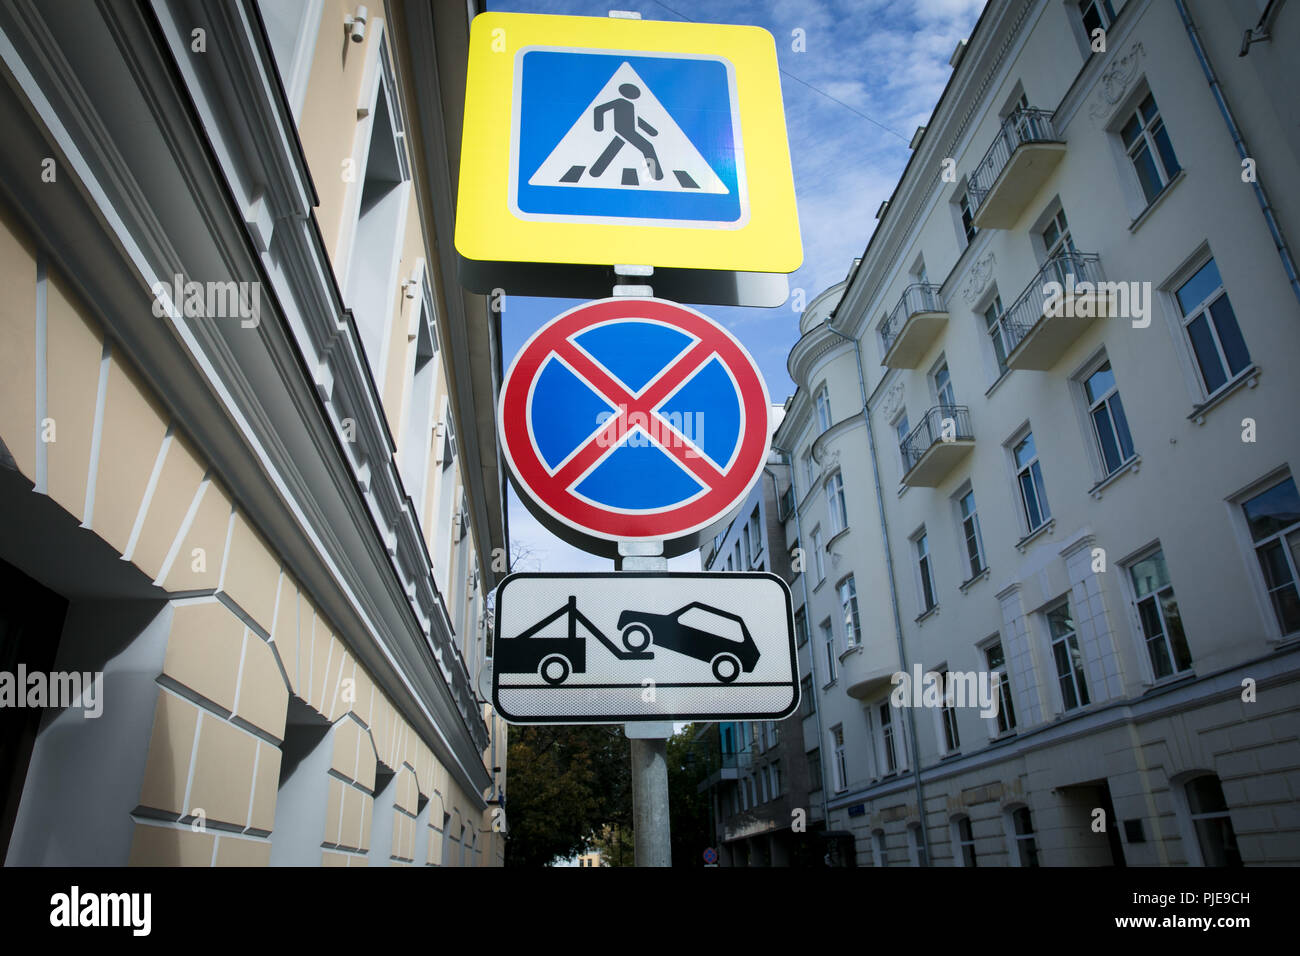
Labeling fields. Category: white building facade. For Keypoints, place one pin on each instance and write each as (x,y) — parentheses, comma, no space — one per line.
(1087,489)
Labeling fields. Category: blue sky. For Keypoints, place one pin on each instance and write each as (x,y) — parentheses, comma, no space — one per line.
(871,73)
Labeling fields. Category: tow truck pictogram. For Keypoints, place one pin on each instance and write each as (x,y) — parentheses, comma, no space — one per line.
(701,631)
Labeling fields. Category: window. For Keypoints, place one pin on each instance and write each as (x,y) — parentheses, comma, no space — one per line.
(878,849)
(1006,717)
(849,611)
(730,565)
(970,528)
(801,627)
(838,506)
(1213,824)
(807,702)
(828,641)
(902,430)
(815,768)
(943,392)
(967,218)
(1069,659)
(754,538)
(950,739)
(823,409)
(736,553)
(1029,476)
(1273,519)
(1022,835)
(1097,15)
(841,767)
(762,786)
(994,323)
(922,544)
(963,839)
(810,475)
(819,555)
(1162,625)
(775,770)
(1212,328)
(888,739)
(1147,143)
(1109,423)
(1059,247)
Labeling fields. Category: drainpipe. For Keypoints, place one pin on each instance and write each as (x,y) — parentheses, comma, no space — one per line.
(812,654)
(893,590)
(1274,230)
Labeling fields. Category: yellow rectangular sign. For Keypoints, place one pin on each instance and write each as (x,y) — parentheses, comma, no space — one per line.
(610,141)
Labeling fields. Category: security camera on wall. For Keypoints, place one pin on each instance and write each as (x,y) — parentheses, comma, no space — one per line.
(356,24)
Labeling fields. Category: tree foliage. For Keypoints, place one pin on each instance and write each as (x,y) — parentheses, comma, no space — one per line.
(566,784)
(688,765)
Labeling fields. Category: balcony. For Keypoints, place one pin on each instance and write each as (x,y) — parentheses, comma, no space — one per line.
(909,331)
(869,671)
(936,445)
(1066,296)
(1024,153)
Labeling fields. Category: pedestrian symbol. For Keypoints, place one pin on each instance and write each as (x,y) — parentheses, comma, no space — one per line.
(635,138)
(625,139)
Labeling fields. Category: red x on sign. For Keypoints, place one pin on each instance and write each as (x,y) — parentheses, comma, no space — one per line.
(633,419)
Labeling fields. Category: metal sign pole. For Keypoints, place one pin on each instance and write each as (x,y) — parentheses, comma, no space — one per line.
(650,820)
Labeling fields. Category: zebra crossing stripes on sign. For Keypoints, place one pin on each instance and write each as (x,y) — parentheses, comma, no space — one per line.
(649,139)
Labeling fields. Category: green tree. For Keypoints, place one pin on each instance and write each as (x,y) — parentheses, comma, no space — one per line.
(688,765)
(566,784)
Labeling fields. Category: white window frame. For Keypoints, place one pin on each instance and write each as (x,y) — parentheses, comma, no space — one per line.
(819,554)
(1078,680)
(1039,482)
(294,77)
(941,365)
(901,434)
(755,538)
(1250,551)
(993,303)
(1146,138)
(1202,308)
(1139,630)
(823,406)
(852,618)
(837,503)
(965,534)
(890,739)
(923,570)
(826,631)
(960,843)
(945,719)
(1004,682)
(840,759)
(1015,840)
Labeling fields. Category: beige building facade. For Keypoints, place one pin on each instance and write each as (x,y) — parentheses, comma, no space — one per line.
(1002,466)
(250,503)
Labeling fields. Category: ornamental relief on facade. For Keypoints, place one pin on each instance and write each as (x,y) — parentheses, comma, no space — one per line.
(978,277)
(1115,82)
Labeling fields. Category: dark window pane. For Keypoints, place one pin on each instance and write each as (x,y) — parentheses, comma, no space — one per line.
(1174,628)
(1196,289)
(1207,356)
(1271,511)
(1111,457)
(1225,323)
(1166,148)
(1121,427)
(1032,514)
(1205,795)
(1132,129)
(1148,175)
(1148,108)
(1099,383)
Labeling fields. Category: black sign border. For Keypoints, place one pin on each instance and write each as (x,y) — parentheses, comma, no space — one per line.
(651,718)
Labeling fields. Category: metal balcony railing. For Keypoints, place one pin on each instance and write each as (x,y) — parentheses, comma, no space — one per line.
(930,432)
(1066,269)
(916,298)
(1022,126)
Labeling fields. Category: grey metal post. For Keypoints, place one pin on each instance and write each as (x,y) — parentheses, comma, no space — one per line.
(650,819)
